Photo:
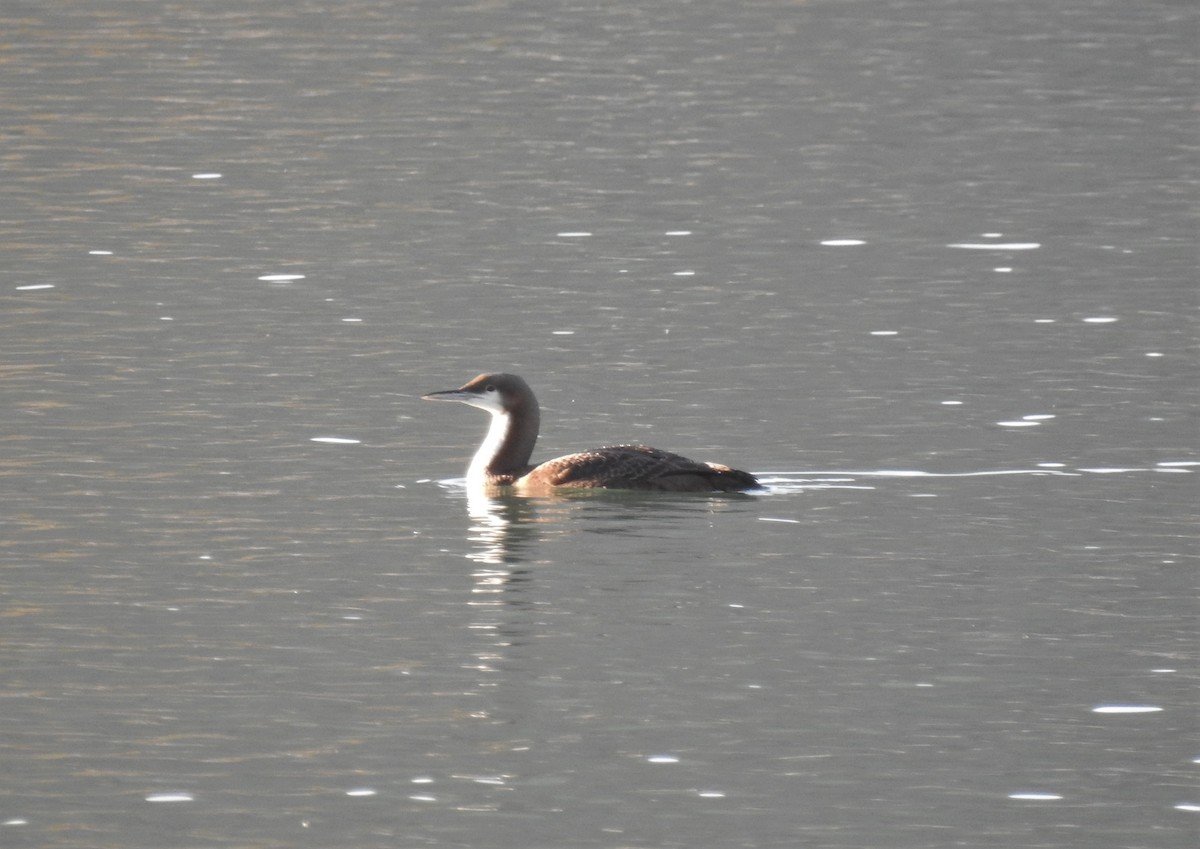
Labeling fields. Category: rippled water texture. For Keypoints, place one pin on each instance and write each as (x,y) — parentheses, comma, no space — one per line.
(926,268)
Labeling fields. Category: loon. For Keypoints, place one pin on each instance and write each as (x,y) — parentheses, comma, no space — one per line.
(503,458)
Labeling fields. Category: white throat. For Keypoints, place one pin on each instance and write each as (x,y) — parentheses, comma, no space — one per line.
(497,431)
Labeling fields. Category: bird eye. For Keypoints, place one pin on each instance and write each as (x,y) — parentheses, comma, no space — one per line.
(489,388)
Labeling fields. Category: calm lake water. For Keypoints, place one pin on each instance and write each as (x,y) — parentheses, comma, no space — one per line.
(929,268)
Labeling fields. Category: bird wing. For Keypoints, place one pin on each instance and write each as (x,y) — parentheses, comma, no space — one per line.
(636,467)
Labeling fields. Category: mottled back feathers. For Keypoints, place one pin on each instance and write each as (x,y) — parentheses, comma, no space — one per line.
(635,467)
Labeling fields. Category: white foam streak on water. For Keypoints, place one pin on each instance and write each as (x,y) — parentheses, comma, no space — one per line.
(996,246)
(908,473)
(1035,797)
(811,477)
(487,779)
(1126,709)
(336,440)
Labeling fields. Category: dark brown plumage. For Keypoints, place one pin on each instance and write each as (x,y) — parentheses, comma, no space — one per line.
(503,458)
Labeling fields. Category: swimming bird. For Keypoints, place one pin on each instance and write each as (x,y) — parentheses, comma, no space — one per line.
(503,458)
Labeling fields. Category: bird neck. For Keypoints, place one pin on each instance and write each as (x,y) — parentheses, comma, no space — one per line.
(505,452)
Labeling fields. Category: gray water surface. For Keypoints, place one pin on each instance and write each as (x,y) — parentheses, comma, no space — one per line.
(927,268)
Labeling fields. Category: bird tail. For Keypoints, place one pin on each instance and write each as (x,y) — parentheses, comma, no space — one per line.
(726,479)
